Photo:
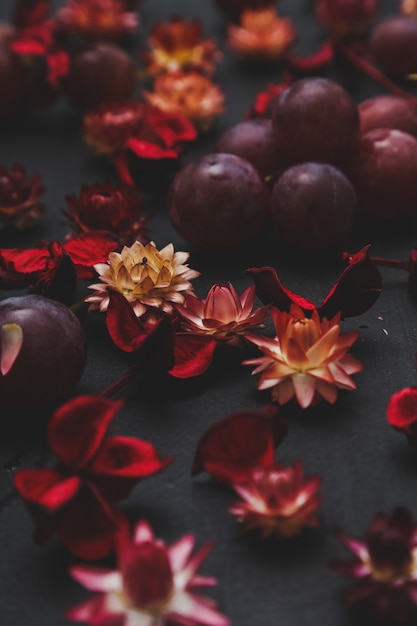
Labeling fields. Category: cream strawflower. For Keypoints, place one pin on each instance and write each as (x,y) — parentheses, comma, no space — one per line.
(146,276)
(307,359)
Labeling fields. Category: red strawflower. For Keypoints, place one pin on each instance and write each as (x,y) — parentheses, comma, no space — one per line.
(223,315)
(179,45)
(234,446)
(117,129)
(97,19)
(20,197)
(154,584)
(278,500)
(402,413)
(355,291)
(384,566)
(346,18)
(75,498)
(106,207)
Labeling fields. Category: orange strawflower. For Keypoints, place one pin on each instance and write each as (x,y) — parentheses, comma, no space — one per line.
(261,34)
(307,359)
(180,45)
(191,94)
(409,7)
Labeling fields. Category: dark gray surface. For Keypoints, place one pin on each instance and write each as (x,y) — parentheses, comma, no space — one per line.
(366,467)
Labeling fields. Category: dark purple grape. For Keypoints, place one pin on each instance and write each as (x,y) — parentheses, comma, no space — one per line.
(218,201)
(254,141)
(315,120)
(234,8)
(313,206)
(383,173)
(52,356)
(388,112)
(102,73)
(393,45)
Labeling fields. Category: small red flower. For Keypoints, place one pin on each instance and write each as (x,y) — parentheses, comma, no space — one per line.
(37,267)
(75,498)
(278,500)
(154,584)
(355,291)
(402,413)
(237,444)
(179,45)
(106,207)
(117,129)
(384,566)
(20,197)
(97,19)
(346,18)
(223,315)
(261,34)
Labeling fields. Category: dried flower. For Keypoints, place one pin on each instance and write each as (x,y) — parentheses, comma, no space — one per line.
(278,500)
(307,359)
(354,292)
(190,94)
(385,566)
(409,7)
(115,129)
(98,19)
(76,497)
(346,18)
(146,276)
(402,413)
(223,315)
(261,34)
(154,584)
(106,207)
(180,45)
(20,197)
(234,446)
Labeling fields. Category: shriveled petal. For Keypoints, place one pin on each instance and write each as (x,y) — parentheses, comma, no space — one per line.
(77,429)
(46,488)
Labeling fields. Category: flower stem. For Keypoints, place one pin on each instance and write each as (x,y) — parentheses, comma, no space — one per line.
(398,264)
(77,306)
(120,383)
(370,70)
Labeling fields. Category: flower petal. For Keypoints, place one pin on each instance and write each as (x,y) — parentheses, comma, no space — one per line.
(46,488)
(97,578)
(11,343)
(193,355)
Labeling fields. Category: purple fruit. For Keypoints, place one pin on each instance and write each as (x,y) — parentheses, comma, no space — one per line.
(52,355)
(388,112)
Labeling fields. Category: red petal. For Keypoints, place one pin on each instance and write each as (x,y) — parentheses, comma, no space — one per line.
(90,525)
(88,249)
(356,290)
(77,429)
(28,47)
(232,447)
(125,329)
(25,261)
(146,150)
(402,408)
(314,63)
(171,128)
(121,462)
(193,355)
(46,488)
(121,163)
(28,13)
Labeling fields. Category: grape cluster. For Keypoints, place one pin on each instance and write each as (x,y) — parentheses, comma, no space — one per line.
(326,157)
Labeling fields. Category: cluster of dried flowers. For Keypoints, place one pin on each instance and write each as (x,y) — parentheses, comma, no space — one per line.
(154,315)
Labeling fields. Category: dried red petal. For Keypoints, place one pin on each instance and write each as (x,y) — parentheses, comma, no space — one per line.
(355,291)
(147,150)
(193,355)
(46,487)
(77,430)
(121,462)
(314,63)
(89,249)
(90,526)
(234,446)
(402,413)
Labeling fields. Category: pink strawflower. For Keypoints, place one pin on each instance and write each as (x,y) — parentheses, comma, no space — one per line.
(278,500)
(154,585)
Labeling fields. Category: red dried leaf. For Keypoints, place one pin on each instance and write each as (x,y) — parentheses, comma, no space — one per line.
(232,447)
(193,355)
(355,291)
(77,430)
